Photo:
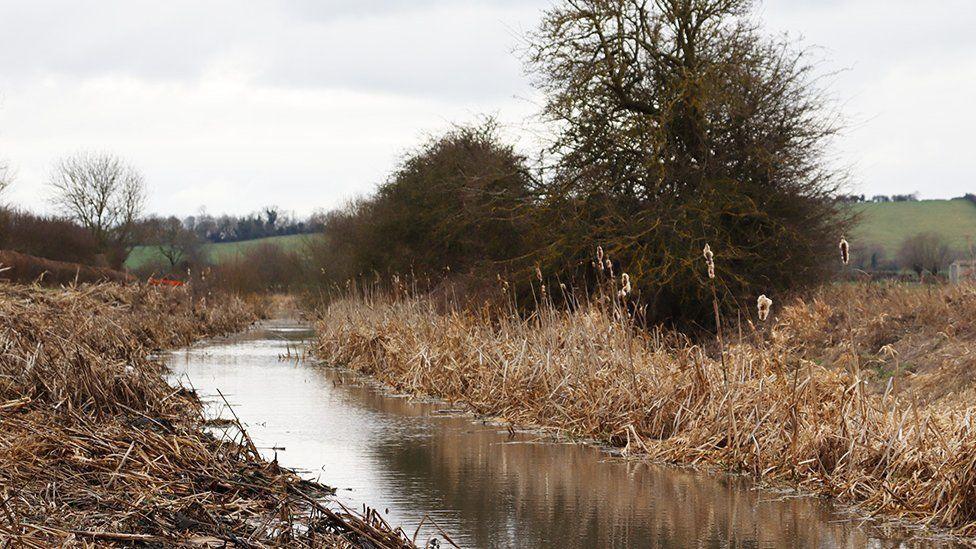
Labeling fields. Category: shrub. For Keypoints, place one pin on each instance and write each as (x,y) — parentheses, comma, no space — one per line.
(54,238)
(452,206)
(262,268)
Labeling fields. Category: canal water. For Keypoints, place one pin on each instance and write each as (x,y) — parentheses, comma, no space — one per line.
(419,462)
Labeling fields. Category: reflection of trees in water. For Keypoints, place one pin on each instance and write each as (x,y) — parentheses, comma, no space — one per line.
(567,495)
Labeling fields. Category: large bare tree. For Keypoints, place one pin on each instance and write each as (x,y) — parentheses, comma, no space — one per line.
(103,193)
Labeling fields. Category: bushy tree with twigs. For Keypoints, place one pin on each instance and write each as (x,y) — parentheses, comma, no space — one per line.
(679,124)
(453,205)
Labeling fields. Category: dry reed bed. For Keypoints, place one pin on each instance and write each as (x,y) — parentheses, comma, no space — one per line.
(791,410)
(97,449)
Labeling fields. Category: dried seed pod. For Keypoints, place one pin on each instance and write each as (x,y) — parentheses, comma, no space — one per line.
(764,304)
(845,250)
(609,265)
(709,260)
(625,287)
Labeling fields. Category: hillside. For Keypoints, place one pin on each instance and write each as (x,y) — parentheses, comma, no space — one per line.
(217,252)
(888,224)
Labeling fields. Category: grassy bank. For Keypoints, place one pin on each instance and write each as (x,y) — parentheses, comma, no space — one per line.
(786,408)
(96,449)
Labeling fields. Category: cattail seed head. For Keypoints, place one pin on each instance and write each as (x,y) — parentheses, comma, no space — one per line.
(709,260)
(625,287)
(538,273)
(609,265)
(845,250)
(764,304)
(599,254)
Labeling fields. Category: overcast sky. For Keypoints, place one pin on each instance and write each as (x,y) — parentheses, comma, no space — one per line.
(232,105)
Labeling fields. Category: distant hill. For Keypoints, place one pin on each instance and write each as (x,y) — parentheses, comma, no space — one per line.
(217,252)
(890,223)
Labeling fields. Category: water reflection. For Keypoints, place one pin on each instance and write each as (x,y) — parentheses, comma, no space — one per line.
(483,487)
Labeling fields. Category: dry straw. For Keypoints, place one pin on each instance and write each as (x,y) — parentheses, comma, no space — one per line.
(779,412)
(96,449)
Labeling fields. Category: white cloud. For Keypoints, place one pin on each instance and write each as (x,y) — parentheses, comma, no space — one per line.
(306,103)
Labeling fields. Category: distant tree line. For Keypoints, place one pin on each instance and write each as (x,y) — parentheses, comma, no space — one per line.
(856,198)
(269,221)
(100,200)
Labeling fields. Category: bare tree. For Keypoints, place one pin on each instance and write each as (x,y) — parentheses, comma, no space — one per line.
(925,252)
(103,193)
(6,176)
(174,241)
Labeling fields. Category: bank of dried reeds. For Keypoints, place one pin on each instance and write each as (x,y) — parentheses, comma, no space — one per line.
(96,449)
(788,408)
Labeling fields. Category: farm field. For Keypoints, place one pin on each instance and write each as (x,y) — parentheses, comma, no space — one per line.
(889,224)
(220,251)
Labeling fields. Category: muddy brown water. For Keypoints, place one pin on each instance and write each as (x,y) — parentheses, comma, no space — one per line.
(480,485)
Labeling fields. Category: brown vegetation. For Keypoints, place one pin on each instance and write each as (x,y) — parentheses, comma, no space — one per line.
(18,267)
(804,401)
(260,269)
(54,238)
(96,449)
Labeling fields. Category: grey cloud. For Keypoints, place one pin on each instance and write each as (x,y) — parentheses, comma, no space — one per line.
(445,49)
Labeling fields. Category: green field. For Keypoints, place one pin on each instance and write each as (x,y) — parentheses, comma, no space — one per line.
(141,255)
(889,224)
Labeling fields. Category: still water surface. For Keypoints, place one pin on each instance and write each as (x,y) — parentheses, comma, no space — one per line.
(483,487)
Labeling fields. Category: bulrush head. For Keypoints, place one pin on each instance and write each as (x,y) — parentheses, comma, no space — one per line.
(709,260)
(845,250)
(624,285)
(764,304)
(609,265)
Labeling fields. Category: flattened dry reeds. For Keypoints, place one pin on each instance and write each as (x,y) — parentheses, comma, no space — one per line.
(789,413)
(96,449)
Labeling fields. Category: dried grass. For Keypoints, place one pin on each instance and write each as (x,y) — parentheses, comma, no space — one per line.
(97,449)
(791,411)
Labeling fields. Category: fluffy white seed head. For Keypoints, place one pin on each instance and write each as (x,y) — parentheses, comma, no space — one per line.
(709,260)
(625,287)
(845,250)
(764,304)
